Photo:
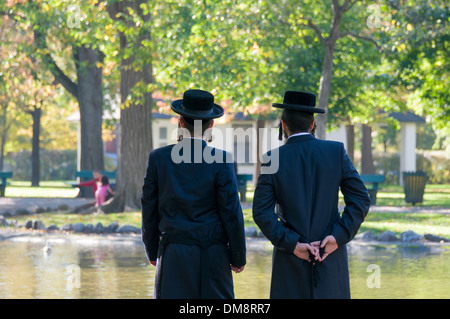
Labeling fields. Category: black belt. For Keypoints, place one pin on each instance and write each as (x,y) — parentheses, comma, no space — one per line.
(184,239)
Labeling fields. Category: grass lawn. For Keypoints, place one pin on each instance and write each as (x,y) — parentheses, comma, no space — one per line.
(420,223)
(377,222)
(60,219)
(388,195)
(393,195)
(48,189)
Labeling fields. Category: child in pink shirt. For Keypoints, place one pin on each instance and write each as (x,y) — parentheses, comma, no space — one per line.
(102,191)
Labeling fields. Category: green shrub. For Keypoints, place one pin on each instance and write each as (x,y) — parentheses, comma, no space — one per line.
(55,165)
(434,163)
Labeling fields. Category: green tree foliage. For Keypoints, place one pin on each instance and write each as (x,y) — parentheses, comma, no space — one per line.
(417,39)
(385,55)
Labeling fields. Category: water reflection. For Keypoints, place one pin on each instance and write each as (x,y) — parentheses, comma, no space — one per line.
(122,271)
(406,272)
(107,271)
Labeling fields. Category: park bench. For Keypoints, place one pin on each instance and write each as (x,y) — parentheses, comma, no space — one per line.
(373,179)
(3,178)
(242,180)
(86,175)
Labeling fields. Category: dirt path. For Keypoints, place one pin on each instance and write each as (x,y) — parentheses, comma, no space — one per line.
(18,205)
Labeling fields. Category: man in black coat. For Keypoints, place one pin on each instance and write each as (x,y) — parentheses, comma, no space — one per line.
(192,223)
(307,230)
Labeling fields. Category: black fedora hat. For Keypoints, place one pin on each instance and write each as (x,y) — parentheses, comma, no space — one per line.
(299,101)
(197,104)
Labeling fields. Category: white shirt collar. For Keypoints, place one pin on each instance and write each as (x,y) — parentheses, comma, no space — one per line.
(299,134)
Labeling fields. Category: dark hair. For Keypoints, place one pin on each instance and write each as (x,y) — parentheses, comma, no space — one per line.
(296,121)
(105,180)
(189,125)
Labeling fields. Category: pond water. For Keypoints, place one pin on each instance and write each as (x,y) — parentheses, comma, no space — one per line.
(98,269)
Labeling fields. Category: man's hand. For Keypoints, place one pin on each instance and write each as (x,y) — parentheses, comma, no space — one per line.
(330,245)
(237,269)
(302,251)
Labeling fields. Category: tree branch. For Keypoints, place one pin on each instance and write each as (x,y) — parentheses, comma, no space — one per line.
(59,75)
(346,5)
(12,15)
(39,40)
(344,34)
(315,28)
(309,24)
(349,4)
(335,7)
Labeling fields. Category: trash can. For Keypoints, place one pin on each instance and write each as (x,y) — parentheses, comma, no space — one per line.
(414,186)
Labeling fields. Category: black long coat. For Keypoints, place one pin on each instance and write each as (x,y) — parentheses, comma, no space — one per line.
(192,221)
(305,190)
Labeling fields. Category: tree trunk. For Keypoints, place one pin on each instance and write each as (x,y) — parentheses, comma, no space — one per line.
(90,99)
(367,166)
(3,134)
(134,146)
(327,67)
(324,91)
(87,91)
(135,138)
(2,149)
(350,130)
(35,158)
(260,124)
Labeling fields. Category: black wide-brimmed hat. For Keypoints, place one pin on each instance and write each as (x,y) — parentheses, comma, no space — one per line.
(197,104)
(299,101)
